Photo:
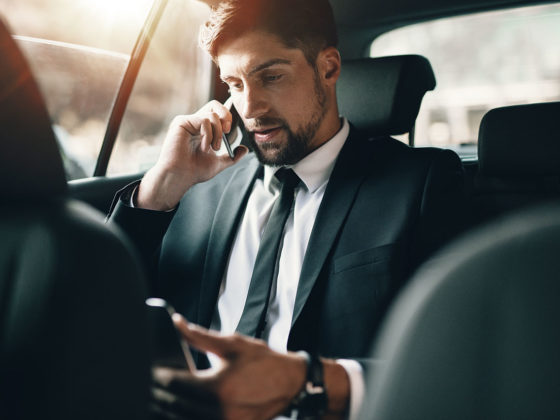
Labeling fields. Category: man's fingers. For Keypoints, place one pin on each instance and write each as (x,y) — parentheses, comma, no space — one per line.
(199,337)
(204,339)
(223,114)
(159,413)
(238,153)
(184,383)
(209,126)
(211,132)
(206,134)
(169,405)
(216,130)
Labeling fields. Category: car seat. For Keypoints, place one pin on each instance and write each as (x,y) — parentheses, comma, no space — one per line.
(475,334)
(383,95)
(518,155)
(73,336)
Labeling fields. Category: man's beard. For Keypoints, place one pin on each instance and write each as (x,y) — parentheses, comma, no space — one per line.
(298,144)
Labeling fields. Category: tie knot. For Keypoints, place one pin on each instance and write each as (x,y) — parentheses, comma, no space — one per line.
(287,178)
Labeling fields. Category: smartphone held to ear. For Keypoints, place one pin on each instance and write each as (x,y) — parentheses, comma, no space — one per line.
(229,138)
(169,348)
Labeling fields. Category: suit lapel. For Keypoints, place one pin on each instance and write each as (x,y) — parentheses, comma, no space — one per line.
(224,227)
(344,183)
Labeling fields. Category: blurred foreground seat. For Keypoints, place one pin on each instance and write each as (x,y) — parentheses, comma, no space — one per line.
(475,335)
(73,340)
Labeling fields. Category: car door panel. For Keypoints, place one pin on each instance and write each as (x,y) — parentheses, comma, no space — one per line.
(99,191)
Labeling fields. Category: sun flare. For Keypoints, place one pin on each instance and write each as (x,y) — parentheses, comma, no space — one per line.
(121,10)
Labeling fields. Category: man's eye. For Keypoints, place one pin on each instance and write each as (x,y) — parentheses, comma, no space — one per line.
(235,86)
(269,78)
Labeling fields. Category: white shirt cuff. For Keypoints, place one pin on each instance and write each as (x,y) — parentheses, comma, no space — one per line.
(355,374)
(133,199)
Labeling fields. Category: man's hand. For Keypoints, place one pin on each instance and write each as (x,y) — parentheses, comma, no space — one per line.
(188,157)
(254,382)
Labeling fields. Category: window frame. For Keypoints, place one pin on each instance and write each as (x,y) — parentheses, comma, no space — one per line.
(127,84)
(387,27)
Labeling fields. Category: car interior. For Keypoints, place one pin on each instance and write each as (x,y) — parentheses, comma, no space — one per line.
(473,335)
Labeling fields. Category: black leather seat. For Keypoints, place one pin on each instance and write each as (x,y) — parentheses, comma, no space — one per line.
(475,334)
(519,159)
(383,95)
(73,339)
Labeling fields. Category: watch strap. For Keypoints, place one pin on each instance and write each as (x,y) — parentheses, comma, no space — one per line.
(311,401)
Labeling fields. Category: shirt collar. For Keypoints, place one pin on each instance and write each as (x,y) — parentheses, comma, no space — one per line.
(315,168)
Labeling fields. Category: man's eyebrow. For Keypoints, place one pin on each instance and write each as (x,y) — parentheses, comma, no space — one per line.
(269,63)
(260,67)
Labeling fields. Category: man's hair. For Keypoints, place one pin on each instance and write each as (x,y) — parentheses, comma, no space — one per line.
(304,24)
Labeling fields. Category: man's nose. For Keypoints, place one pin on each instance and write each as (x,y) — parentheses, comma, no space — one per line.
(254,103)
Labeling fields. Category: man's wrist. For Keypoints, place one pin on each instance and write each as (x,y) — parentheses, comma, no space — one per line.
(355,372)
(338,385)
(160,190)
(297,375)
(311,401)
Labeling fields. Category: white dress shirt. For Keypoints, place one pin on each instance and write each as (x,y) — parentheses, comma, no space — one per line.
(314,171)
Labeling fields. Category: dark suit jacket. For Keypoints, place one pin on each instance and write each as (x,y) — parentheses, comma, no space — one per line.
(386,207)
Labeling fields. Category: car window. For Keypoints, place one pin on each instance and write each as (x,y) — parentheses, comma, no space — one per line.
(175,78)
(78,51)
(481,61)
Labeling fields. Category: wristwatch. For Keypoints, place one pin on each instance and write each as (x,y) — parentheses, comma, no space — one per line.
(311,401)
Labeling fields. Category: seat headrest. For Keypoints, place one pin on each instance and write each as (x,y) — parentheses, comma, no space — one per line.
(30,164)
(383,95)
(520,140)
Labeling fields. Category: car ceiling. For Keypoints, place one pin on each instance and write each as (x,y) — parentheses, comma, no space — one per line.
(360,21)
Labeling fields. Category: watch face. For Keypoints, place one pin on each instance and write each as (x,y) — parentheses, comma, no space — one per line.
(313,389)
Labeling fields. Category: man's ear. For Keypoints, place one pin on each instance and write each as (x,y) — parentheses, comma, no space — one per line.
(329,62)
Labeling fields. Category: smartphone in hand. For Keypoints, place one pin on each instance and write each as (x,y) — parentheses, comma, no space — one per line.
(169,348)
(230,137)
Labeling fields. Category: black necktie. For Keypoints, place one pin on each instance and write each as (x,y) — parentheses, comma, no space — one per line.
(253,318)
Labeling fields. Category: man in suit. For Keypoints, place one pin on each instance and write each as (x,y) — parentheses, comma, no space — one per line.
(366,211)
